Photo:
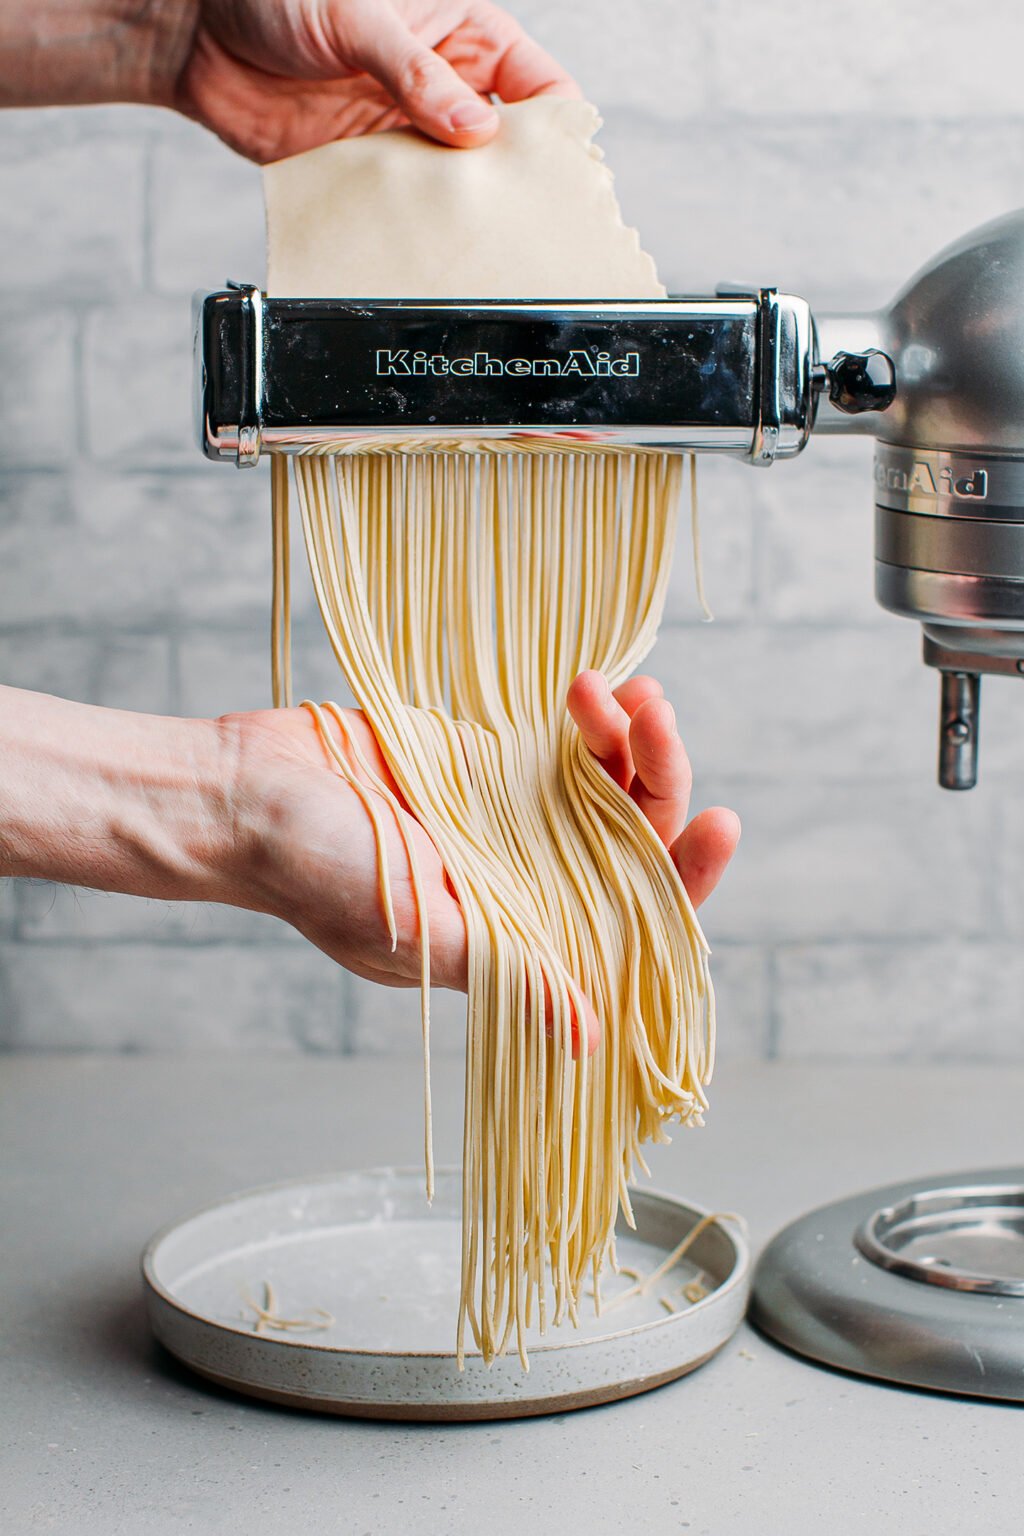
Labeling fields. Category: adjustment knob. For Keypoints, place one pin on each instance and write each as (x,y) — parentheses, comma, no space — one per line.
(861,381)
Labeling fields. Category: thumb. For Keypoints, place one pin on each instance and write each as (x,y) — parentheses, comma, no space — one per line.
(433,96)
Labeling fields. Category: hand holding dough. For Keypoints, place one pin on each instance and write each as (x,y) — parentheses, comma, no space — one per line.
(276,79)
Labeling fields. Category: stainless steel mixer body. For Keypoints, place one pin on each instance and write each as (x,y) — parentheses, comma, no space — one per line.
(937,379)
(949,469)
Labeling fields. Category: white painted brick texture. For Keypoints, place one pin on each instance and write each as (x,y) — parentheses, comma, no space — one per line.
(114,548)
(73,217)
(138,383)
(809,204)
(123,671)
(160,997)
(60,912)
(37,386)
(883,860)
(932,1001)
(207,215)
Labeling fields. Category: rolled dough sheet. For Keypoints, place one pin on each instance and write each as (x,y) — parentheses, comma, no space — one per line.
(393,215)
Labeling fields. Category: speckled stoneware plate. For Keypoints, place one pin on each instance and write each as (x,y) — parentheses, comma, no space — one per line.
(363,1254)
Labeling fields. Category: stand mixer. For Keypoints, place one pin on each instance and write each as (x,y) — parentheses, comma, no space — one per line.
(923,1286)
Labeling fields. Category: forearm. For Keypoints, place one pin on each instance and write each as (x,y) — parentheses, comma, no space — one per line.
(72,52)
(117,801)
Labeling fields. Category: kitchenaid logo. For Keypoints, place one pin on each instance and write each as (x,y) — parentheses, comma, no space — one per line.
(578,364)
(921,480)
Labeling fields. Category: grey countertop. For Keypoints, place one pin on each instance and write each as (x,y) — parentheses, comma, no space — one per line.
(100,1431)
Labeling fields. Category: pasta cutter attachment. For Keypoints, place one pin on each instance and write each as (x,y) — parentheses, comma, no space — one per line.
(727,374)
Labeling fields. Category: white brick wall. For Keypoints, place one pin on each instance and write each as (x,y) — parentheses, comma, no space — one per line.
(73,215)
(37,404)
(124,671)
(137,382)
(728,548)
(827,149)
(802,202)
(931,1000)
(57,912)
(161,996)
(207,215)
(110,548)
(229,670)
(890,859)
(873,59)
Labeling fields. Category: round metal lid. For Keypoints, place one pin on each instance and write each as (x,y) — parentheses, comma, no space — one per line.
(968,1238)
(919,1283)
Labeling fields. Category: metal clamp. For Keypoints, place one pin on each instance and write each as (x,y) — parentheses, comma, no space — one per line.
(250,420)
(765,443)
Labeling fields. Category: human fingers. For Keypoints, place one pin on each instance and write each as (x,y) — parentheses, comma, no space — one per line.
(425,86)
(636,691)
(452,970)
(703,850)
(523,68)
(591,1030)
(583,1023)
(603,724)
(664,778)
(449,968)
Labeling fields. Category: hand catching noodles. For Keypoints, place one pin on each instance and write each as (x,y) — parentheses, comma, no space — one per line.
(318,858)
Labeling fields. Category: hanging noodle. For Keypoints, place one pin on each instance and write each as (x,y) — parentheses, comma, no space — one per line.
(463,589)
(280,607)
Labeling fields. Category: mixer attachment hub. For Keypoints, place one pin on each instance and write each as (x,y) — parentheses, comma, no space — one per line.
(861,381)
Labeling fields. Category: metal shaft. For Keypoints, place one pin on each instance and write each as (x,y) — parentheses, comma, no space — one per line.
(959,719)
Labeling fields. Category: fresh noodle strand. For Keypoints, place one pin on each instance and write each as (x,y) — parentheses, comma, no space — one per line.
(698,563)
(280,611)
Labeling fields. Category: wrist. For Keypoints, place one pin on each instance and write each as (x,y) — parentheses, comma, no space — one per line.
(169,27)
(234,854)
(112,800)
(204,830)
(57,54)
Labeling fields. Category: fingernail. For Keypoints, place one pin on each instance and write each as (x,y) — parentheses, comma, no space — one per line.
(470,114)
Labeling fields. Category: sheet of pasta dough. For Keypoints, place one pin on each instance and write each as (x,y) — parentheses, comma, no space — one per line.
(393,215)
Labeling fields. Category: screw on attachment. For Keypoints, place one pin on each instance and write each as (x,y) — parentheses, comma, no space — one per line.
(861,381)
